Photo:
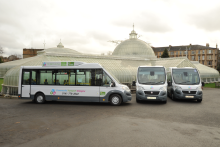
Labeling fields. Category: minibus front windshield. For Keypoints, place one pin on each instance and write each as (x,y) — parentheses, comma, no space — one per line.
(151,75)
(186,76)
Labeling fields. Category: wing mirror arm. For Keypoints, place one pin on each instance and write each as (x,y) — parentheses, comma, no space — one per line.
(133,83)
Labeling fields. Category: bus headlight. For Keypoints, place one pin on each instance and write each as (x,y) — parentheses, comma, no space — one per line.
(199,88)
(126,88)
(163,88)
(177,88)
(140,88)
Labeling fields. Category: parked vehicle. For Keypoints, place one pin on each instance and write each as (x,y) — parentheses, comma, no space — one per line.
(71,81)
(184,83)
(151,84)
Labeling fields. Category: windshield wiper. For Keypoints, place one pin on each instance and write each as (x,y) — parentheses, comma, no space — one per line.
(161,82)
(183,82)
(148,83)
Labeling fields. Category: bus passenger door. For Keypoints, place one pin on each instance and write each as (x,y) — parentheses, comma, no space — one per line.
(105,88)
(25,85)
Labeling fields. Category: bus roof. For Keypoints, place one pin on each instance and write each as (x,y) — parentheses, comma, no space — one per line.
(151,66)
(66,65)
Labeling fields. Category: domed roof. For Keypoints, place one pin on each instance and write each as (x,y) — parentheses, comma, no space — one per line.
(59,50)
(134,47)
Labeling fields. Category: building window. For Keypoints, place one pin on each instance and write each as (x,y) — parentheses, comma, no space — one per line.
(203,51)
(203,57)
(193,58)
(177,53)
(159,53)
(198,58)
(210,63)
(209,51)
(184,52)
(171,53)
(181,53)
(209,57)
(203,62)
(198,51)
(193,52)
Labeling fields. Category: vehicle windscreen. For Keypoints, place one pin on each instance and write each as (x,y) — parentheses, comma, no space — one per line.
(151,75)
(186,76)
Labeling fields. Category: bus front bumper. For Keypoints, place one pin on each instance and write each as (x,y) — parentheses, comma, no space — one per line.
(141,96)
(127,96)
(180,95)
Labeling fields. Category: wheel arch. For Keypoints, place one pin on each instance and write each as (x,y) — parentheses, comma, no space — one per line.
(38,93)
(117,94)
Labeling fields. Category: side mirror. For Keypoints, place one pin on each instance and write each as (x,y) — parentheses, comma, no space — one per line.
(169,83)
(133,83)
(112,84)
(203,84)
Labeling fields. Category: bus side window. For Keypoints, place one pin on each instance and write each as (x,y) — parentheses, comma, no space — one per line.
(62,77)
(106,80)
(46,77)
(96,77)
(34,78)
(26,78)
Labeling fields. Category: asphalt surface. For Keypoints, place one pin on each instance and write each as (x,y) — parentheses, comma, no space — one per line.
(177,123)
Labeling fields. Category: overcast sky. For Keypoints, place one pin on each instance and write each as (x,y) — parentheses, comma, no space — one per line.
(88,25)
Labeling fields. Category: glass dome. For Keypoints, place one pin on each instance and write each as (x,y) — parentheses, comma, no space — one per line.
(122,64)
(134,47)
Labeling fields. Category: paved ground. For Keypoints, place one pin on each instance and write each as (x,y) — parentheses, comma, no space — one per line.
(177,123)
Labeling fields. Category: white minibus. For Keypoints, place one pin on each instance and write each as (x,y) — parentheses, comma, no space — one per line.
(151,84)
(184,83)
(71,81)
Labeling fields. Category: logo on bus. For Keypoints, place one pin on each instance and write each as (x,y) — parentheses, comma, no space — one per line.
(53,92)
(151,87)
(189,87)
(44,64)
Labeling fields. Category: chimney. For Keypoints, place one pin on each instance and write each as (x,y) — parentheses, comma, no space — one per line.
(207,44)
(216,45)
(170,46)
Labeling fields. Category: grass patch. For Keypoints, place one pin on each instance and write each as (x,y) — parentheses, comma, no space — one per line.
(210,85)
(1,82)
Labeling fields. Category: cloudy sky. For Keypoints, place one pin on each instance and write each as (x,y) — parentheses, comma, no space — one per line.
(88,25)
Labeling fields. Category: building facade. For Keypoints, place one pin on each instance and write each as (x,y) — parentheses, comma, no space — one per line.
(218,67)
(30,52)
(205,55)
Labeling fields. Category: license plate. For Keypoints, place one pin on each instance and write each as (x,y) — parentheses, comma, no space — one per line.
(151,97)
(189,96)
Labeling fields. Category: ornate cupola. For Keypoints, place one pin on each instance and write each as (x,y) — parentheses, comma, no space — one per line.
(60,45)
(133,34)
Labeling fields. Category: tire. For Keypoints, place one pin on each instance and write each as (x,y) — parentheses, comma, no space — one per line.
(173,97)
(199,101)
(40,98)
(115,100)
(138,101)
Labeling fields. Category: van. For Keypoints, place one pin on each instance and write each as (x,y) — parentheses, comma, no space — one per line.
(151,84)
(184,83)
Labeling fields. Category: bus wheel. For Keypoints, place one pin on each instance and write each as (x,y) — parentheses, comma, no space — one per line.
(115,100)
(173,97)
(138,101)
(199,101)
(39,98)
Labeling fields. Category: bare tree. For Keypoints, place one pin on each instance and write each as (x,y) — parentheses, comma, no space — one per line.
(1,50)
(14,57)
